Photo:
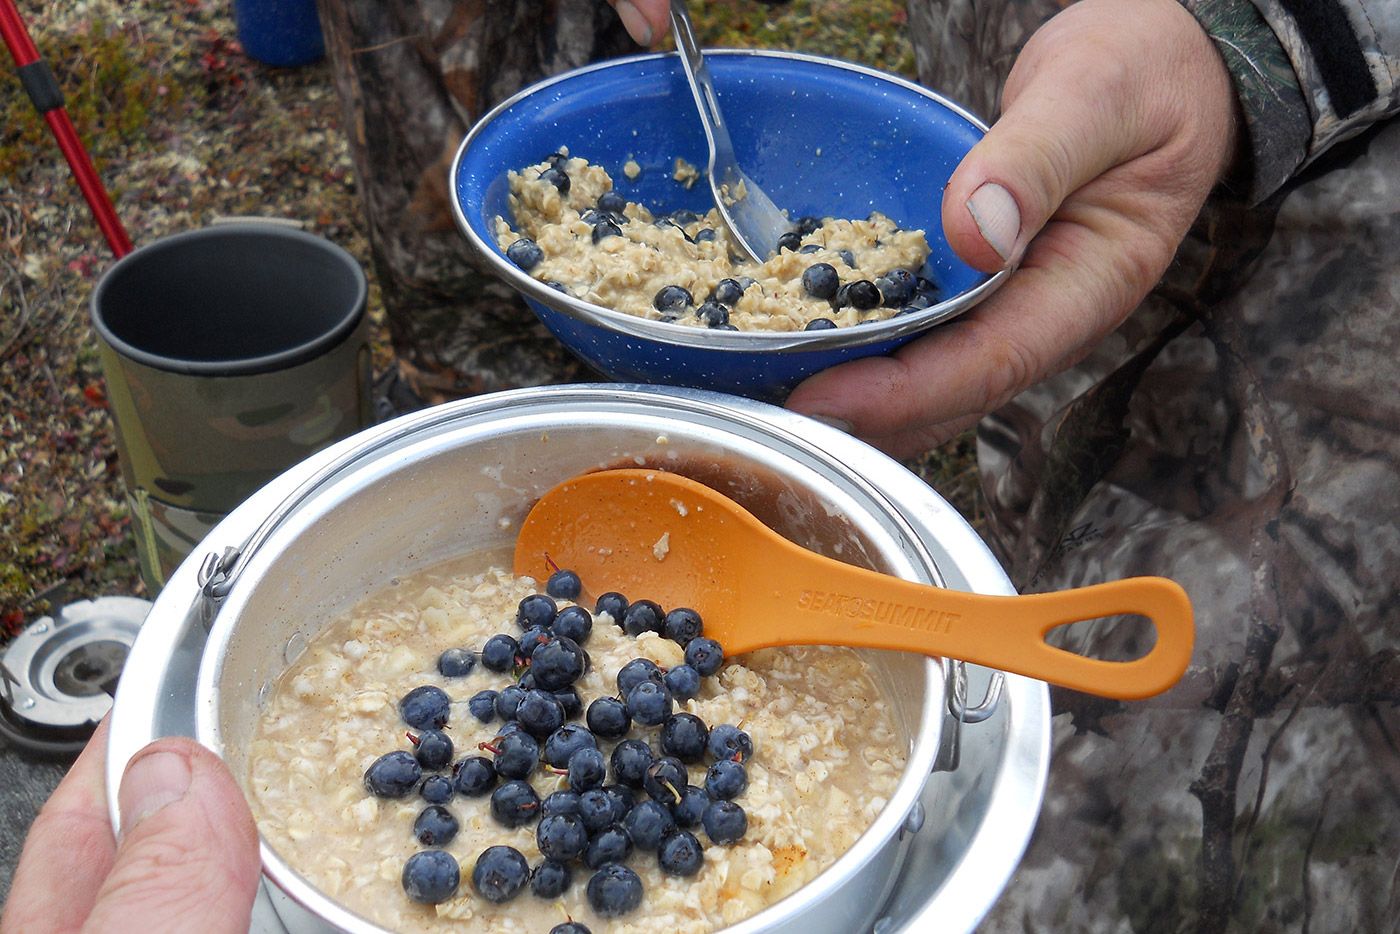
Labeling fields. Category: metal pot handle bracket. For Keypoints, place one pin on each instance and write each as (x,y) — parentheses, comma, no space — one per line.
(958,712)
(219,572)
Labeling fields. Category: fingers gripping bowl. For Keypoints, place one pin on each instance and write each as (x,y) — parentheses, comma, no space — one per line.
(459,478)
(823,138)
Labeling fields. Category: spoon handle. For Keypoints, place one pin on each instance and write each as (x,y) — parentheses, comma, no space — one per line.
(855,606)
(716,132)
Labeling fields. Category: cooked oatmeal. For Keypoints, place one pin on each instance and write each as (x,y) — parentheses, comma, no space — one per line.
(627,271)
(827,755)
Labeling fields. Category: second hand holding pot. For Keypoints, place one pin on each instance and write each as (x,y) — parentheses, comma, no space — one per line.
(668,538)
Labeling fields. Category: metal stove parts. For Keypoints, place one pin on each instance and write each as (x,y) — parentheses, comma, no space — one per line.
(58,676)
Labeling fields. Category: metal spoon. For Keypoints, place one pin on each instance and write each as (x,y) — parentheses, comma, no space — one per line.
(658,535)
(753,221)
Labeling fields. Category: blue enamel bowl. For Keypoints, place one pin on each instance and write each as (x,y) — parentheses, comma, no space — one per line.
(820,136)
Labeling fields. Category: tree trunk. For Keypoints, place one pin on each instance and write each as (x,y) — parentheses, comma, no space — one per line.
(413,76)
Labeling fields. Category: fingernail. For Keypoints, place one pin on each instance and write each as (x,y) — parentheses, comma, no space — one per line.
(997,216)
(150,783)
(838,424)
(637,26)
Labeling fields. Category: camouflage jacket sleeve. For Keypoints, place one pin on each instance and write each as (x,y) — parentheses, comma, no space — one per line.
(1309,74)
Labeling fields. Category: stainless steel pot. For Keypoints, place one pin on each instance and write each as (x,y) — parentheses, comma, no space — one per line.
(458,478)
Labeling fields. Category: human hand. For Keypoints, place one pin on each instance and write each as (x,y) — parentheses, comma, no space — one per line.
(647,21)
(1118,119)
(187,859)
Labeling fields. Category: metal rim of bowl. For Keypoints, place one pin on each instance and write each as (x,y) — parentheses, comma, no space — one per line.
(756,342)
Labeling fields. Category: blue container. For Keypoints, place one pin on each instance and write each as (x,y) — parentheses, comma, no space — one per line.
(820,136)
(285,33)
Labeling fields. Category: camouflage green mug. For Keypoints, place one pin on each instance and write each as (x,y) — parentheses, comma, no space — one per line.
(229,354)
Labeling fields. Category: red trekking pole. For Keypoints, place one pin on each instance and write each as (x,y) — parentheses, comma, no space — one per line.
(44,93)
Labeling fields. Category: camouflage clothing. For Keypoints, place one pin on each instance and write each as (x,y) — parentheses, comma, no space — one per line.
(1240,433)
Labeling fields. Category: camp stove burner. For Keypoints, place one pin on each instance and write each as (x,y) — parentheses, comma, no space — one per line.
(58,676)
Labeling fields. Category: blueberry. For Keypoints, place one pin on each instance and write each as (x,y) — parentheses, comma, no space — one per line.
(525,253)
(704,655)
(533,638)
(393,775)
(683,682)
(689,810)
(820,324)
(431,876)
(474,776)
(808,224)
(605,229)
(680,853)
(517,754)
(665,780)
(435,825)
(608,717)
(612,603)
(647,823)
(425,708)
(558,663)
(820,280)
(649,703)
(635,672)
(630,760)
(847,257)
(498,654)
(508,701)
(563,584)
(614,891)
(599,808)
(712,314)
(609,845)
(705,235)
(436,789)
(726,779)
(624,798)
(684,216)
(563,742)
(791,240)
(725,822)
(456,663)
(500,873)
(587,769)
(483,706)
(557,177)
(570,702)
(672,298)
(811,248)
(642,616)
(563,801)
(862,294)
(550,879)
(728,741)
(612,202)
(574,622)
(540,713)
(684,736)
(681,625)
(515,803)
(726,292)
(526,684)
(537,609)
(570,927)
(432,749)
(896,287)
(561,836)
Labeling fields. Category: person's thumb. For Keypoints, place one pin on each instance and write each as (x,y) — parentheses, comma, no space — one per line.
(187,853)
(1098,87)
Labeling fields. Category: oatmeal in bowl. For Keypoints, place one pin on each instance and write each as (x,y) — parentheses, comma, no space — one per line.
(663,788)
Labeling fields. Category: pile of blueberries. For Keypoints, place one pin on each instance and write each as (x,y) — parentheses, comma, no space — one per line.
(898,288)
(636,798)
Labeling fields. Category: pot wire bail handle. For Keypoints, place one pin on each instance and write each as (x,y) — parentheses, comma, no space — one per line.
(218,572)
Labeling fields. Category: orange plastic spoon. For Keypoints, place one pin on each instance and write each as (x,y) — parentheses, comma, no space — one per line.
(647,533)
